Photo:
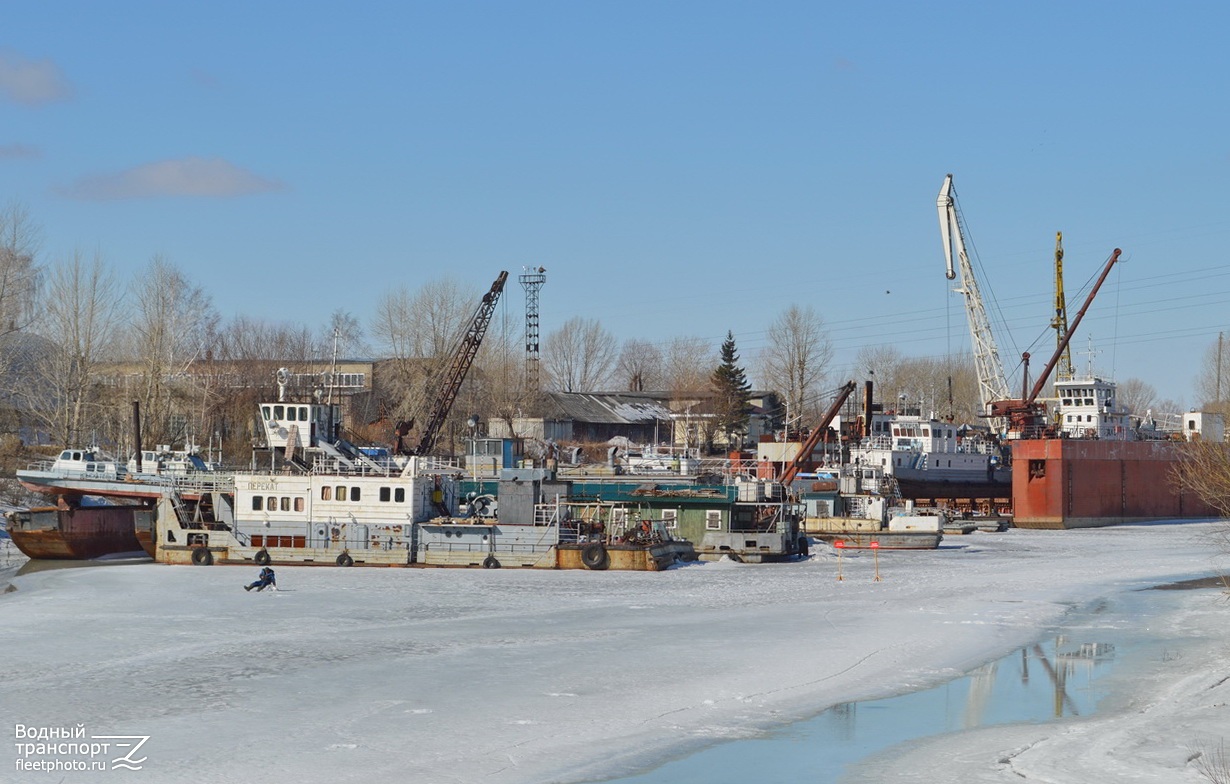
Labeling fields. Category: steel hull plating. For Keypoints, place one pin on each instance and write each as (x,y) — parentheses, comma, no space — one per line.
(1076,483)
(81,533)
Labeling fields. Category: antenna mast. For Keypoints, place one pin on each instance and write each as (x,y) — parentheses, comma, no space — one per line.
(532,279)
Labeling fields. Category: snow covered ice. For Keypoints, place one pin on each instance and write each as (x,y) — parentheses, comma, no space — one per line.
(510,676)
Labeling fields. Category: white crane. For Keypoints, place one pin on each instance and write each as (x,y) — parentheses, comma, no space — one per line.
(992,383)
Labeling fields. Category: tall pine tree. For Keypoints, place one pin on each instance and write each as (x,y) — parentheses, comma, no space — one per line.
(731,394)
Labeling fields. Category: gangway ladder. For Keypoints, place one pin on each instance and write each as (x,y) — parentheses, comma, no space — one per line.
(890,489)
(177,506)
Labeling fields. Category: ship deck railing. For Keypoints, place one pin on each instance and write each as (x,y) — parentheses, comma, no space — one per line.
(192,482)
(968,446)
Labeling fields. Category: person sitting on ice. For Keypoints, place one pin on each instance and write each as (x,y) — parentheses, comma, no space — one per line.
(265,580)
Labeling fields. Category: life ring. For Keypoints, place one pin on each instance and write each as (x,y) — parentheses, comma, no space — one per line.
(202,557)
(490,562)
(345,560)
(595,556)
(262,557)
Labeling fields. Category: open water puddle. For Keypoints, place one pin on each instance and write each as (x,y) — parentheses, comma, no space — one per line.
(1061,676)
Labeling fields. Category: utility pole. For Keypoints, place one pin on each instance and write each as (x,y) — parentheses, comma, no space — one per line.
(1220,336)
(1063,370)
(532,280)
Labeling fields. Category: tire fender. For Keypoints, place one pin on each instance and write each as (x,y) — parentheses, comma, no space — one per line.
(595,556)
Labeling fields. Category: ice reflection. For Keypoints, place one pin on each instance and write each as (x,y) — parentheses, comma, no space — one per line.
(1053,679)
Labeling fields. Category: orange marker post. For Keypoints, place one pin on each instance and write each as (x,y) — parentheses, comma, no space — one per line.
(875,550)
(840,546)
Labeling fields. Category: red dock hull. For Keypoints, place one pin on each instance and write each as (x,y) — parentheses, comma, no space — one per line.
(81,533)
(1076,483)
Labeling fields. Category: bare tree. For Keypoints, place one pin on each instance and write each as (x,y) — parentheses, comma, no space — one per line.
(171,326)
(345,333)
(247,341)
(942,387)
(238,372)
(882,365)
(578,356)
(1136,396)
(1213,382)
(1205,470)
(797,357)
(19,275)
(688,361)
(418,331)
(78,318)
(640,366)
(947,387)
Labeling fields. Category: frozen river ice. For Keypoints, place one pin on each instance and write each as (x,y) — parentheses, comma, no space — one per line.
(536,676)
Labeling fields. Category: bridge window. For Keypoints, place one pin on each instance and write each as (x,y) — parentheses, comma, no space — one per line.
(399,495)
(340,494)
(385,494)
(257,503)
(326,493)
(354,493)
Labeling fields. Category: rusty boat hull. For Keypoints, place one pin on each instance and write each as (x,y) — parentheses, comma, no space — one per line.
(77,533)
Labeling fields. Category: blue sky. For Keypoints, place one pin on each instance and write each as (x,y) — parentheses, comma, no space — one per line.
(679,168)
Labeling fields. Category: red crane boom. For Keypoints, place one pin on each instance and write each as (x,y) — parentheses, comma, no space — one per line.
(1025,414)
(813,438)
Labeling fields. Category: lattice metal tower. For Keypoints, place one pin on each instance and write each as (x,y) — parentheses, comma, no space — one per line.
(532,279)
